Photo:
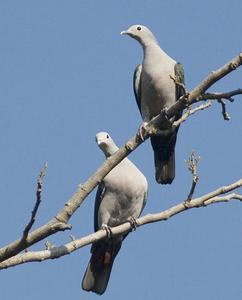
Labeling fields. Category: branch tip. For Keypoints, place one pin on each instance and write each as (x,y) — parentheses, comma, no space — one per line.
(192,164)
(37,203)
(48,245)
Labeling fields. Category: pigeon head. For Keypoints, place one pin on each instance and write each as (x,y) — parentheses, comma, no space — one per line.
(141,33)
(105,143)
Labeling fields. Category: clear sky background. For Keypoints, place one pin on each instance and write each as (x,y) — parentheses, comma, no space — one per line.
(66,74)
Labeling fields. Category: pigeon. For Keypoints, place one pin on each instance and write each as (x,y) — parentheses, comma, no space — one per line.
(121,197)
(155,91)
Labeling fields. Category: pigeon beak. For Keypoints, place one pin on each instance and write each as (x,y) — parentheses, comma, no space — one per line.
(98,142)
(124,32)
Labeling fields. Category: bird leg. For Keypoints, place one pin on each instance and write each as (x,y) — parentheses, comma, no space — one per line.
(108,230)
(133,223)
(142,130)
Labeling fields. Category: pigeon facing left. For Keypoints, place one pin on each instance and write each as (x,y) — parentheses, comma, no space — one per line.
(121,197)
(155,90)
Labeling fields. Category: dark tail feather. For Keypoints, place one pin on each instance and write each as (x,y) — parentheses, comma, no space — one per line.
(164,156)
(164,170)
(100,266)
(96,280)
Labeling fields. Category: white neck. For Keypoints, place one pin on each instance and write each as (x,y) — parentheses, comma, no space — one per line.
(109,149)
(153,50)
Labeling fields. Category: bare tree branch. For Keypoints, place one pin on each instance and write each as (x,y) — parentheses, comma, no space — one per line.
(192,163)
(60,221)
(224,111)
(216,96)
(191,111)
(221,97)
(37,203)
(56,252)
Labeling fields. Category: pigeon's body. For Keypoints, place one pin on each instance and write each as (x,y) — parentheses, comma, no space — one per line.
(155,90)
(121,196)
(112,211)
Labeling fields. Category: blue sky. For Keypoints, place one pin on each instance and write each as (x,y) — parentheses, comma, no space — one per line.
(66,74)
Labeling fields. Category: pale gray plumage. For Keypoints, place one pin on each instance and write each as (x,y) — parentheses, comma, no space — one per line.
(121,196)
(154,90)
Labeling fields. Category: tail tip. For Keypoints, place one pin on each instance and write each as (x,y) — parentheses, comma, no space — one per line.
(164,180)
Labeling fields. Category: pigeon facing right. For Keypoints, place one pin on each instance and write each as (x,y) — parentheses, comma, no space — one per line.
(121,197)
(155,90)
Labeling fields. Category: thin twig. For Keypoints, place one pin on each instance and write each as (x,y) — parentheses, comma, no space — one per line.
(224,111)
(49,245)
(190,111)
(192,163)
(37,202)
(221,97)
(215,96)
(227,198)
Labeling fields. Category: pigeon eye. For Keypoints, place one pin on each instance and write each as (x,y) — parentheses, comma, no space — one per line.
(107,136)
(139,28)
